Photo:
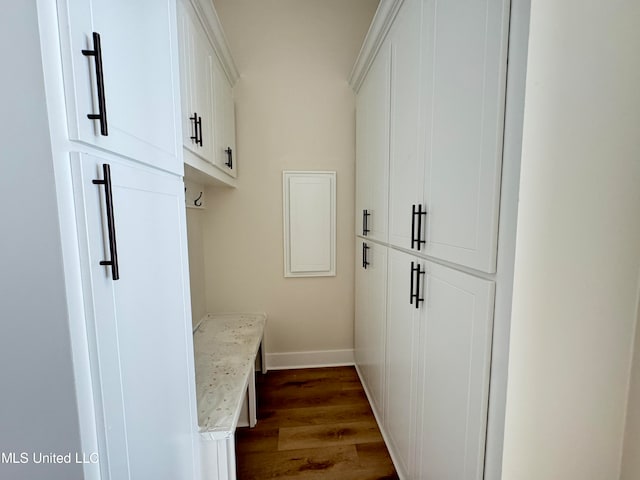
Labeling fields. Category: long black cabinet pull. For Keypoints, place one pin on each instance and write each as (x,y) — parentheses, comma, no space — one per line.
(417,229)
(194,121)
(113,248)
(96,53)
(199,131)
(229,153)
(365,222)
(415,268)
(365,260)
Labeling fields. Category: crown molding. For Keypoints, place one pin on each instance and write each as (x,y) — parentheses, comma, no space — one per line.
(209,18)
(380,25)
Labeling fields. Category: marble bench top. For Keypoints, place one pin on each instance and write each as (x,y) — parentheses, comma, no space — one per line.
(225,350)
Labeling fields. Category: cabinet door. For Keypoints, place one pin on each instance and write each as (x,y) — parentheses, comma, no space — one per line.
(196,55)
(140,72)
(202,59)
(403,321)
(138,327)
(187,79)
(370,328)
(372,148)
(406,168)
(464,73)
(224,113)
(455,346)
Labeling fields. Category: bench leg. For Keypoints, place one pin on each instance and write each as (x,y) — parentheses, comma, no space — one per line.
(253,417)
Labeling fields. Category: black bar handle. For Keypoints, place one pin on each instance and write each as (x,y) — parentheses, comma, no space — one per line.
(411,288)
(113,248)
(194,119)
(365,222)
(415,268)
(413,226)
(199,129)
(420,213)
(96,53)
(419,272)
(229,153)
(365,260)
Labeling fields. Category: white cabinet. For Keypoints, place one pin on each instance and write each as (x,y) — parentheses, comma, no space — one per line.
(406,169)
(372,149)
(196,59)
(454,363)
(370,318)
(402,335)
(224,122)
(120,64)
(208,110)
(447,104)
(463,80)
(138,326)
(438,341)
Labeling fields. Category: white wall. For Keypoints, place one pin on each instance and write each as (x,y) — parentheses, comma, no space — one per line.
(38,411)
(196,264)
(295,111)
(631,454)
(578,243)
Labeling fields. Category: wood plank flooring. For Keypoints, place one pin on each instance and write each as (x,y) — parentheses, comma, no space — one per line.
(313,424)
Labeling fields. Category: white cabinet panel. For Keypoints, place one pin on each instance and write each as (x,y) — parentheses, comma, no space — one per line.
(140,69)
(464,76)
(196,60)
(370,326)
(309,223)
(406,167)
(139,328)
(224,118)
(403,322)
(372,149)
(455,346)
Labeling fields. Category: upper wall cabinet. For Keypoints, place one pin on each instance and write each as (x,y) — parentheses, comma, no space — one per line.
(120,66)
(207,75)
(372,149)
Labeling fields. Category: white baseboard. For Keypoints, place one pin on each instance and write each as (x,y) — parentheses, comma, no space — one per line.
(314,359)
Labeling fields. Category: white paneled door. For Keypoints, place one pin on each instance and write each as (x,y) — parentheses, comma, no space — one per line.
(139,334)
(403,327)
(464,61)
(120,63)
(371,302)
(455,355)
(372,149)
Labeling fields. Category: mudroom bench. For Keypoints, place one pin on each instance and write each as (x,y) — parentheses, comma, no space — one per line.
(227,348)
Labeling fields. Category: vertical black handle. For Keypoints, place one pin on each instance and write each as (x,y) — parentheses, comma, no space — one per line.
(113,248)
(96,53)
(365,222)
(229,153)
(420,213)
(194,121)
(415,268)
(365,260)
(413,228)
(417,213)
(199,131)
(411,288)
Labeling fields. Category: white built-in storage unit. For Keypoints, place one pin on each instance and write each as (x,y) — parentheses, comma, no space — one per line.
(207,76)
(431,87)
(112,88)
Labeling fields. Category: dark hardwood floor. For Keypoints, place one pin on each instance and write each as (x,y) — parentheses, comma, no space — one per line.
(312,424)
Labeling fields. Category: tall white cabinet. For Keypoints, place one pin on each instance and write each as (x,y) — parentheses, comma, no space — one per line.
(113,100)
(431,87)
